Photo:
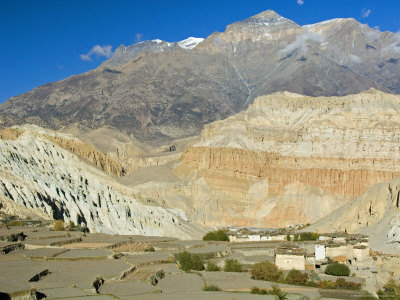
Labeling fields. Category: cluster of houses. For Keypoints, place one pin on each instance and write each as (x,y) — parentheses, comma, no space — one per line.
(339,247)
(236,236)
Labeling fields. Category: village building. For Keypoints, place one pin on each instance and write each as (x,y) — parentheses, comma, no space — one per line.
(360,253)
(335,250)
(246,236)
(254,238)
(320,252)
(290,256)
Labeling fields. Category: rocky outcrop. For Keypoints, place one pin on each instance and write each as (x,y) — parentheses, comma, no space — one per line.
(38,174)
(368,209)
(88,152)
(158,91)
(10,133)
(292,159)
(70,143)
(376,212)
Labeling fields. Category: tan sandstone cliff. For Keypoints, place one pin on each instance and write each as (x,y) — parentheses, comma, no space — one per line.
(292,159)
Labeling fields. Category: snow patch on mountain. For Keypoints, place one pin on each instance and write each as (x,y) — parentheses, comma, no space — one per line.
(190,43)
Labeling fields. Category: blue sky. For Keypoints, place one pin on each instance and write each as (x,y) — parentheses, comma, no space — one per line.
(44,41)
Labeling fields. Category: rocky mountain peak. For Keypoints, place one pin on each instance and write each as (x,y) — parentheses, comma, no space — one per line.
(267,18)
(173,90)
(268,15)
(123,54)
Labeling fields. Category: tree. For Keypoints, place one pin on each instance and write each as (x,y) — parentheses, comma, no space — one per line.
(296,277)
(266,271)
(188,261)
(218,235)
(212,267)
(197,263)
(232,265)
(309,236)
(337,269)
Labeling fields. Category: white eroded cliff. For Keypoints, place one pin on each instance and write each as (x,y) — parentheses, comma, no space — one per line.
(37,173)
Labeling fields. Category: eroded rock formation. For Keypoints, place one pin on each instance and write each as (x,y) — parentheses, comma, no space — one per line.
(376,212)
(37,173)
(292,159)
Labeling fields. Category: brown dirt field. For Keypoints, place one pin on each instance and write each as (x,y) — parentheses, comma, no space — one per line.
(86,245)
(132,247)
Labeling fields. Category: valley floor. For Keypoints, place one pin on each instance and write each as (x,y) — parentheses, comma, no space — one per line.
(66,264)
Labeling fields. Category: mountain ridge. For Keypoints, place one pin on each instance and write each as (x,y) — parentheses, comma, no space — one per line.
(162,95)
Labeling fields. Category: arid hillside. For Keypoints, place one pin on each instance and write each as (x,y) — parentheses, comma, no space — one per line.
(292,159)
(155,91)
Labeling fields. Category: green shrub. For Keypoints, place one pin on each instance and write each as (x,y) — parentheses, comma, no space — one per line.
(309,236)
(327,284)
(232,265)
(188,261)
(71,226)
(296,277)
(391,290)
(341,283)
(117,255)
(160,274)
(197,263)
(211,288)
(185,260)
(288,238)
(274,290)
(15,223)
(255,290)
(265,271)
(211,267)
(337,269)
(59,225)
(218,235)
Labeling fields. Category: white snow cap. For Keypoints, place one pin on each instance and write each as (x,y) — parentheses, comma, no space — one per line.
(190,43)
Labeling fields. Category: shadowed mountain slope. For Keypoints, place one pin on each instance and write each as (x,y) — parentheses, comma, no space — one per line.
(159,91)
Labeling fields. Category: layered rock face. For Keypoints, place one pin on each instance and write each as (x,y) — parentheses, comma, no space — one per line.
(37,173)
(70,143)
(158,91)
(292,159)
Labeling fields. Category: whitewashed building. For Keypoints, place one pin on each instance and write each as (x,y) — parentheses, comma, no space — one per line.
(320,252)
(289,257)
(254,238)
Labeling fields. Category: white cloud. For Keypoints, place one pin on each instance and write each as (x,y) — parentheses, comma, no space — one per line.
(301,43)
(139,37)
(394,46)
(372,36)
(98,51)
(300,2)
(365,13)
